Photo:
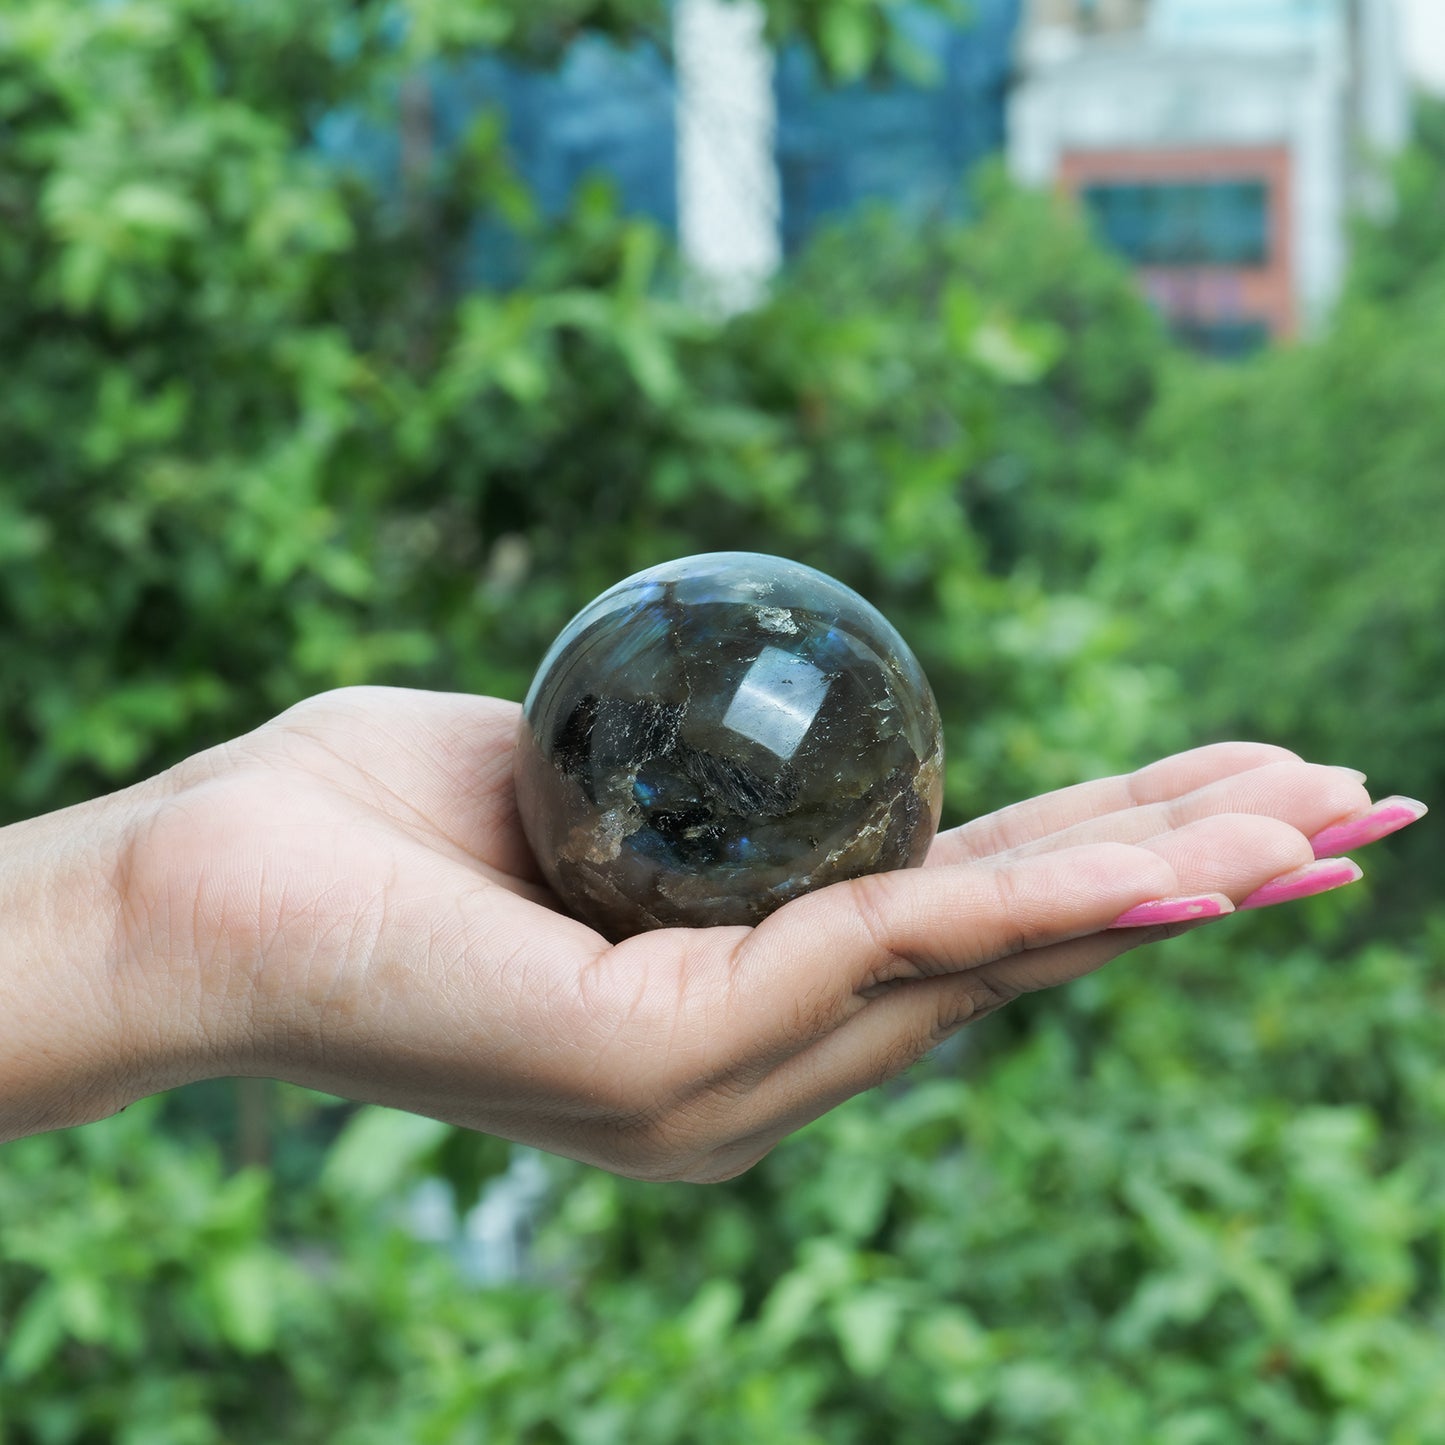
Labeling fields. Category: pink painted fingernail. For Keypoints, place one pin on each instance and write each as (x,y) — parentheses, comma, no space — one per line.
(1388,816)
(1174,910)
(1317,877)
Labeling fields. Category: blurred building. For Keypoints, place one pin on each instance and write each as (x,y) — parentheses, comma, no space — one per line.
(739,152)
(769,150)
(909,143)
(1220,145)
(604,110)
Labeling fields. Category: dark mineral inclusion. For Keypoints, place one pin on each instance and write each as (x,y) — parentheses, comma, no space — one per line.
(715,736)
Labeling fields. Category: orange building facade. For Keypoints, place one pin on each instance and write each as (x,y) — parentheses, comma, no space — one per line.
(1211,235)
(1219,149)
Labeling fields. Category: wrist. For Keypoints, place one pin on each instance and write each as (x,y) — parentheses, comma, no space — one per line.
(83,1027)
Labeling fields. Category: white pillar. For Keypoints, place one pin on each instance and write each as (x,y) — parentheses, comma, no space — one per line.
(1424,28)
(727,176)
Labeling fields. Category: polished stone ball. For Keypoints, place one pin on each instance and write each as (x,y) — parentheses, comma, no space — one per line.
(715,736)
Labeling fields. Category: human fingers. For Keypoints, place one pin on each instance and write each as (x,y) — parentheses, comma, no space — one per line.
(1040,818)
(1246,859)
(636,1057)
(1381,819)
(697,1020)
(1238,855)
(1306,796)
(1256,862)
(806,970)
(889,1032)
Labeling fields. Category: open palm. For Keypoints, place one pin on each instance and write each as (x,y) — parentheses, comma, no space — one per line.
(344,899)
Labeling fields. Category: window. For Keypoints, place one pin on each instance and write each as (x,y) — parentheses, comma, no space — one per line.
(1196,223)
(1223,340)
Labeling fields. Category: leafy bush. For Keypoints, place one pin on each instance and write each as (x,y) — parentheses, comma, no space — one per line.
(254,442)
(1201,1207)
(1275,538)
(257,446)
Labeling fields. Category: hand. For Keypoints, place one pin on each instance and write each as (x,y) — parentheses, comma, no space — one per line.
(344,899)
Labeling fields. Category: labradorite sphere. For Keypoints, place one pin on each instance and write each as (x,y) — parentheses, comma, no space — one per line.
(715,736)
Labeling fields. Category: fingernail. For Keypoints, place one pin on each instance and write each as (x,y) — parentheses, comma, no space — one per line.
(1354,773)
(1317,877)
(1174,910)
(1388,816)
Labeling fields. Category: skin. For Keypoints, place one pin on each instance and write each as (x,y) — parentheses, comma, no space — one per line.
(343,899)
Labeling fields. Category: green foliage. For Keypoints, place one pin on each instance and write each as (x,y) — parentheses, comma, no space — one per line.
(1276,539)
(1202,1205)
(257,444)
(1405,240)
(255,441)
(1050,447)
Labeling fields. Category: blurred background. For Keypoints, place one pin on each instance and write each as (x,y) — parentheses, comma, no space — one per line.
(1098,342)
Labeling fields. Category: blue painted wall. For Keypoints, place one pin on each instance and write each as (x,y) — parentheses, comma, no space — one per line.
(614,111)
(604,109)
(910,145)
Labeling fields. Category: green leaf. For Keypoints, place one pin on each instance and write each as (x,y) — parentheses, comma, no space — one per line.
(951,1340)
(378,1151)
(243,1288)
(35,1335)
(1010,354)
(648,358)
(789,1307)
(713,1312)
(148,207)
(867,1325)
(84,1310)
(849,40)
